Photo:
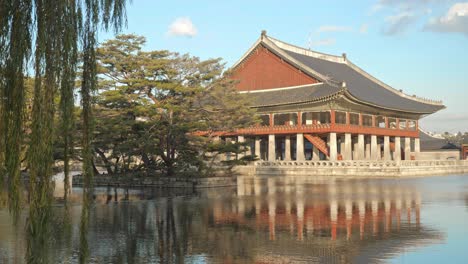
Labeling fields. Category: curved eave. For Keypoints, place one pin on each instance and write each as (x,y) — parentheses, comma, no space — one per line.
(315,100)
(359,101)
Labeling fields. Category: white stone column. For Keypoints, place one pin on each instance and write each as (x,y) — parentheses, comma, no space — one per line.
(228,154)
(407,148)
(271,148)
(397,153)
(333,148)
(315,153)
(374,151)
(348,155)
(360,148)
(387,154)
(241,139)
(417,147)
(257,147)
(287,148)
(368,148)
(300,147)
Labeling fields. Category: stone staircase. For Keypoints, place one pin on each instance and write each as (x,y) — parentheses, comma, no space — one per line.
(318,143)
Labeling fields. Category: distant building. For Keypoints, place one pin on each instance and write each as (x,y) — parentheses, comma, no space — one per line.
(319,106)
(433,147)
(464,148)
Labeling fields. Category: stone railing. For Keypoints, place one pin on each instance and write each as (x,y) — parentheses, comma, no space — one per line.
(362,163)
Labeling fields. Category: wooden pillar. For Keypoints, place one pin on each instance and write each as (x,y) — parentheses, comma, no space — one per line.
(272,120)
(299,118)
(360,119)
(332,116)
(407,148)
(347,118)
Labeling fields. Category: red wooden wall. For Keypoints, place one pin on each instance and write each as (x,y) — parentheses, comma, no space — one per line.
(265,70)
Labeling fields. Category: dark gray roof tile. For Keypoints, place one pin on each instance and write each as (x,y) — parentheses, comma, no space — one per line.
(361,86)
(296,95)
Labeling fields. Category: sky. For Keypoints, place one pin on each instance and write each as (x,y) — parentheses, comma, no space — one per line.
(419,46)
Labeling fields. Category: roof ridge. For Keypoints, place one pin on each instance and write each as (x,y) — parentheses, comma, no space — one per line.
(307,52)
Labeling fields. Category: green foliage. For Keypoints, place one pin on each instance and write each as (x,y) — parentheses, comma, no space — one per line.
(151,103)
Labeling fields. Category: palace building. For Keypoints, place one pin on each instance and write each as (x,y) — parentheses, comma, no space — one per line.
(315,106)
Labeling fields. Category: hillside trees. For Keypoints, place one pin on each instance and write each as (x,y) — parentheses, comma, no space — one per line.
(151,103)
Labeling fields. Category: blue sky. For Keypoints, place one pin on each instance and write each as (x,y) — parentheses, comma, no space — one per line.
(420,46)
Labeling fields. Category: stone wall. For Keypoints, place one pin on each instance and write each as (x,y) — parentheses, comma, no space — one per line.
(356,168)
(439,155)
(166,182)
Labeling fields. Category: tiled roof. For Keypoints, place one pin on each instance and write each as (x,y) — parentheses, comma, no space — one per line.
(293,95)
(360,85)
(430,143)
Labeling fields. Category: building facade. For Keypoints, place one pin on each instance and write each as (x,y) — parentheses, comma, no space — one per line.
(315,106)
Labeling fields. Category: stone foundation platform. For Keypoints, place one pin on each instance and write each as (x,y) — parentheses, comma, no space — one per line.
(366,169)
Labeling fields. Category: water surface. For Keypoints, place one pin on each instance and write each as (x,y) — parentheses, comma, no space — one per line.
(267,220)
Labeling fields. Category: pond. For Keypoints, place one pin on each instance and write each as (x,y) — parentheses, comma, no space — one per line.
(266,220)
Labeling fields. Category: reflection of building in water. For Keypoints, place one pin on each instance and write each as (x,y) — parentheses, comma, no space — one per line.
(331,221)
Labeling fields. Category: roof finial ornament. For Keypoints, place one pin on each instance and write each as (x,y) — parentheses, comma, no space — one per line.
(264,32)
(343,84)
(344,56)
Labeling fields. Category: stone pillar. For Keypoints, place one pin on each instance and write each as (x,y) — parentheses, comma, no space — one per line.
(417,147)
(387,154)
(287,148)
(341,149)
(300,147)
(374,154)
(397,153)
(228,154)
(257,147)
(271,148)
(368,148)
(315,153)
(360,148)
(348,151)
(241,139)
(407,148)
(333,148)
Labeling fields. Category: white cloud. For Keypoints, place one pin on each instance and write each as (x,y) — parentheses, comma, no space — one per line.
(331,28)
(455,20)
(182,26)
(364,28)
(399,23)
(323,42)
